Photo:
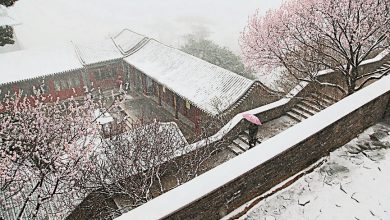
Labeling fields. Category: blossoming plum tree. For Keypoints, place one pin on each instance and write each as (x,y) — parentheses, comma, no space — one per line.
(311,35)
(43,149)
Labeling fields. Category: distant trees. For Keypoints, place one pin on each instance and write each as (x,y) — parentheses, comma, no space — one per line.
(211,52)
(6,32)
(307,36)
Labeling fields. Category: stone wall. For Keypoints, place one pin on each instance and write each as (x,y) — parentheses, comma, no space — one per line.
(296,158)
(257,96)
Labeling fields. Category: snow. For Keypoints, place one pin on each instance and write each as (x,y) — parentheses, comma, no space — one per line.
(127,40)
(5,19)
(96,52)
(347,186)
(206,183)
(103,119)
(28,64)
(56,21)
(209,87)
(379,57)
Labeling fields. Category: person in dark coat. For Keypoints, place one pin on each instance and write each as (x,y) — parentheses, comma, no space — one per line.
(252,137)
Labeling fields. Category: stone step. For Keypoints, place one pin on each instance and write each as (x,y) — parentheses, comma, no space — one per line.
(383,68)
(236,150)
(306,109)
(241,144)
(387,65)
(317,102)
(245,135)
(328,97)
(311,105)
(300,112)
(293,116)
(244,138)
(323,100)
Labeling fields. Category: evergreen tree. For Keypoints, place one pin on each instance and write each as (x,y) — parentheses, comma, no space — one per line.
(6,32)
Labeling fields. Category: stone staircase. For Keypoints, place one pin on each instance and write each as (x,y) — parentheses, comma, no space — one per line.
(305,108)
(310,106)
(302,110)
(241,143)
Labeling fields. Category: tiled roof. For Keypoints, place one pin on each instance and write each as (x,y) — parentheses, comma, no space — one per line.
(97,52)
(209,87)
(28,64)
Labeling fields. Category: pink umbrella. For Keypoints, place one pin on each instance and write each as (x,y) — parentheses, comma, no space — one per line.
(252,118)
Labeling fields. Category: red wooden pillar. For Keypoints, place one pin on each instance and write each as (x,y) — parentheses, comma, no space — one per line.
(145,88)
(197,121)
(175,106)
(159,95)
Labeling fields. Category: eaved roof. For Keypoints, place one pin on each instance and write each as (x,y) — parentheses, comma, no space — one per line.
(209,87)
(5,19)
(129,41)
(97,52)
(28,64)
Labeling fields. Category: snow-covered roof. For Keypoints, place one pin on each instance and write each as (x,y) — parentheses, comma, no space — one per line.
(209,87)
(5,19)
(28,64)
(129,41)
(96,52)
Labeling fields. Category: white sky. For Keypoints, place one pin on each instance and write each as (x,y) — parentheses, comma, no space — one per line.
(46,22)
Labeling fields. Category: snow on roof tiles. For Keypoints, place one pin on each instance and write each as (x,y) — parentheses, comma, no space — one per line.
(96,52)
(28,64)
(128,41)
(207,86)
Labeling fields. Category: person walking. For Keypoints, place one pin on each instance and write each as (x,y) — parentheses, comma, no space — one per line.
(253,128)
(252,137)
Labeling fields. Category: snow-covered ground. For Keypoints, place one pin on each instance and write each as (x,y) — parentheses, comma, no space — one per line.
(352,184)
(47,22)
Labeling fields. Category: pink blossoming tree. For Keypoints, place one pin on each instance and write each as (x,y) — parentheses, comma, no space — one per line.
(305,36)
(43,149)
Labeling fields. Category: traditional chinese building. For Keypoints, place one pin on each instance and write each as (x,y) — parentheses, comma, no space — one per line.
(193,90)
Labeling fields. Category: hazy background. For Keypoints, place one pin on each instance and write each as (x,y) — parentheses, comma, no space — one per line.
(48,22)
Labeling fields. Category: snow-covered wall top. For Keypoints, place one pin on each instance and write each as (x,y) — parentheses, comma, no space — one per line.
(127,40)
(27,64)
(209,87)
(206,183)
(96,52)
